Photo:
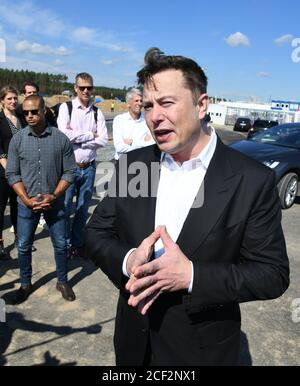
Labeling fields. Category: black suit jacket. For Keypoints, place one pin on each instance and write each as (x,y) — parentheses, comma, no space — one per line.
(235,242)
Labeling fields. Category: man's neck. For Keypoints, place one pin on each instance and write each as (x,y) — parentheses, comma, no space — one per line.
(135,116)
(38,130)
(85,104)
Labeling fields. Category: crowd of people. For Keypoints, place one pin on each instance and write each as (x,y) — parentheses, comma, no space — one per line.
(182,263)
(62,150)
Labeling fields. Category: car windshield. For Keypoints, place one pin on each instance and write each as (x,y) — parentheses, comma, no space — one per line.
(263,124)
(283,135)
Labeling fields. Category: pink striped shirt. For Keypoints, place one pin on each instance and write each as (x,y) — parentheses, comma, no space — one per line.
(81,130)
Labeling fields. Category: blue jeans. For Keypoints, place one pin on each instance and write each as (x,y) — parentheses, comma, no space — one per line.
(27,223)
(82,188)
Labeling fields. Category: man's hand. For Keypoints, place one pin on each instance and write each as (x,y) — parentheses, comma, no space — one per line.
(128,141)
(141,255)
(147,137)
(39,203)
(169,273)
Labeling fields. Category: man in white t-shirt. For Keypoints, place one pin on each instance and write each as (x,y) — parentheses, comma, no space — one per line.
(130,130)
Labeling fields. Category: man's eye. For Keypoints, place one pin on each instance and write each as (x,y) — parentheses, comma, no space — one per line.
(166,103)
(147,107)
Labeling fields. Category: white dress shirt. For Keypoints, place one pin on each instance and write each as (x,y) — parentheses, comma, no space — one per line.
(177,189)
(124,127)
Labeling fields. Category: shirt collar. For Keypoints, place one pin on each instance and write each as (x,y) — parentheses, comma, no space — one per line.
(48,130)
(141,118)
(78,105)
(202,160)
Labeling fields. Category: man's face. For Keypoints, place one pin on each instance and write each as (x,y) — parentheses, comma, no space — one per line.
(172,115)
(35,117)
(30,90)
(135,104)
(84,89)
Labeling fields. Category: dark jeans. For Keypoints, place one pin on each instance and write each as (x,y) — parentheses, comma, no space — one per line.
(82,189)
(6,192)
(27,223)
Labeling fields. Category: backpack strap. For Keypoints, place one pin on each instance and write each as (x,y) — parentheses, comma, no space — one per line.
(95,108)
(70,108)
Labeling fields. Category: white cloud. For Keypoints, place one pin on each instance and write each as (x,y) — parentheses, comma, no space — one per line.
(96,38)
(238,39)
(284,39)
(85,35)
(21,63)
(26,16)
(40,49)
(263,74)
(107,62)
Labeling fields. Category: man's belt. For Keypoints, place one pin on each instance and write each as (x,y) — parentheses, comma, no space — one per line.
(84,165)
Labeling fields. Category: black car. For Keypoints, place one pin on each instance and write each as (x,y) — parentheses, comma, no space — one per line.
(242,124)
(261,125)
(279,149)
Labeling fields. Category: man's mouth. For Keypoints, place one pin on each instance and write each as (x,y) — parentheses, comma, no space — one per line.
(162,135)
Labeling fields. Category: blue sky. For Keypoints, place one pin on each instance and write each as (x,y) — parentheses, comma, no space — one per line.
(246,49)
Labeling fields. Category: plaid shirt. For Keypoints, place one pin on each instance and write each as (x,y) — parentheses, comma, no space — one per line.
(40,161)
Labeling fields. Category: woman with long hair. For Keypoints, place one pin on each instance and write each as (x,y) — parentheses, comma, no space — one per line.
(10,123)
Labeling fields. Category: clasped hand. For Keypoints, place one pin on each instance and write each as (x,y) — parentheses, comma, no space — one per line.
(169,273)
(40,202)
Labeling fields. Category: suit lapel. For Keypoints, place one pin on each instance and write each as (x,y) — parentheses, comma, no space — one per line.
(219,185)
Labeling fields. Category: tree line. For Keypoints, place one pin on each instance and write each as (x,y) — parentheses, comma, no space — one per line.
(51,84)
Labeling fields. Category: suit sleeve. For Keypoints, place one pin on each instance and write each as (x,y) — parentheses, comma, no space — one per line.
(263,271)
(103,245)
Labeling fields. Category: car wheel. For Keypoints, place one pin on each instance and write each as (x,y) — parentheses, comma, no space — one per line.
(288,189)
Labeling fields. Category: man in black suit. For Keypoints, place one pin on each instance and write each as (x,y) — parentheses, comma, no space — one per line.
(203,236)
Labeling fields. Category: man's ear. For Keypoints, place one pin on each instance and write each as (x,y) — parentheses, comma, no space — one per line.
(203,103)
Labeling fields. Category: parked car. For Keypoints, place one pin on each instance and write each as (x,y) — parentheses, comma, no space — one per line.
(260,125)
(279,149)
(242,124)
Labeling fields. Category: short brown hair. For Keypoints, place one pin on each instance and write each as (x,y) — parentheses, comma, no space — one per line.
(156,61)
(85,76)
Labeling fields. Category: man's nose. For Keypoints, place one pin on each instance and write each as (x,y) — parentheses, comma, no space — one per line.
(157,114)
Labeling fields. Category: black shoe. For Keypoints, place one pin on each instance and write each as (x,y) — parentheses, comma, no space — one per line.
(23,293)
(66,291)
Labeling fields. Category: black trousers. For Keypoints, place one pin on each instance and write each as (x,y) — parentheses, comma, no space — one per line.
(6,192)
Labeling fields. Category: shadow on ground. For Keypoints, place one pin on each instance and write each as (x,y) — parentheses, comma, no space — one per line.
(16,321)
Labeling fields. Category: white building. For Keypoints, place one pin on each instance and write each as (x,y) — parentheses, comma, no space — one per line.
(259,111)
(217,114)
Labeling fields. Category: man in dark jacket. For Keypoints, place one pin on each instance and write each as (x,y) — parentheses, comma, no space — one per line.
(203,235)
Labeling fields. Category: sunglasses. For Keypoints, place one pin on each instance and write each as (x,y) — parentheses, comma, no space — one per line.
(33,112)
(82,88)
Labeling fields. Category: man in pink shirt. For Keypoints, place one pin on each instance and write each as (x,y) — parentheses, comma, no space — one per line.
(85,126)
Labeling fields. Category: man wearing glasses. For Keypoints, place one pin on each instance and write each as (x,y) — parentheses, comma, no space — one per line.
(40,167)
(85,127)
